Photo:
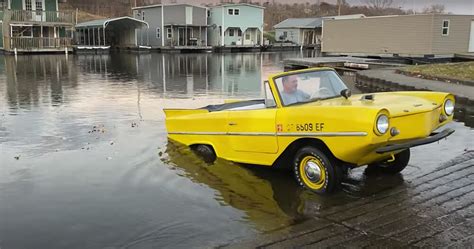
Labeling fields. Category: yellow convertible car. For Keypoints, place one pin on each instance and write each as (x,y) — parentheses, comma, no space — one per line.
(310,122)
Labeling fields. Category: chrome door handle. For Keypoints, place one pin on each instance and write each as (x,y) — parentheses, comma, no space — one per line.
(232,123)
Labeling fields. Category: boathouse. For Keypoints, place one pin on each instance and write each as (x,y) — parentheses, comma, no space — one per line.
(117,32)
(173,26)
(35,26)
(239,24)
(408,35)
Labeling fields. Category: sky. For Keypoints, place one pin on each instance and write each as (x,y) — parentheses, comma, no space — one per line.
(454,6)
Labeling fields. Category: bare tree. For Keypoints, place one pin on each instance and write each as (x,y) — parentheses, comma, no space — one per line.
(379,4)
(435,9)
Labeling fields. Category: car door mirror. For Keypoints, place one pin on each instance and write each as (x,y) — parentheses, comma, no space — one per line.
(346,93)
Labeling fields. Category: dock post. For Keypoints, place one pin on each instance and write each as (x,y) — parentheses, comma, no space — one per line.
(15,52)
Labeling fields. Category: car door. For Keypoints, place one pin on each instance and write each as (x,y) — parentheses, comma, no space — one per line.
(252,128)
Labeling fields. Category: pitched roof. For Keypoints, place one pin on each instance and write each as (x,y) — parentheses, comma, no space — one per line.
(300,23)
(315,22)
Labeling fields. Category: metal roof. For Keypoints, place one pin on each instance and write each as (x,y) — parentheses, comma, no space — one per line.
(315,22)
(104,22)
(300,23)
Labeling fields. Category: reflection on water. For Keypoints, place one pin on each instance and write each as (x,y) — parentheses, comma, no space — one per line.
(84,154)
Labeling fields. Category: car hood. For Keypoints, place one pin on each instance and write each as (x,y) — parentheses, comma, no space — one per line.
(398,104)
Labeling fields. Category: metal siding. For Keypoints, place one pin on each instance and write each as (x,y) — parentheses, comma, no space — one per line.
(249,17)
(153,17)
(214,21)
(175,15)
(199,16)
(459,31)
(380,35)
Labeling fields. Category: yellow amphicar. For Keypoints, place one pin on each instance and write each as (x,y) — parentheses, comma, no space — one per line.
(310,122)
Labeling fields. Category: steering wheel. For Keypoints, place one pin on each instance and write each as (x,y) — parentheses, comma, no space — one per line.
(323,91)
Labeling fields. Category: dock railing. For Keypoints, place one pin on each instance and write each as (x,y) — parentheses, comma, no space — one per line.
(65,17)
(38,43)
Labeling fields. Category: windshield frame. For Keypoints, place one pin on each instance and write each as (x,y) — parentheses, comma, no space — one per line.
(304,71)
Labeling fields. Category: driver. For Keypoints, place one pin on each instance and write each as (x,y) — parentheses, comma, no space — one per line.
(290,93)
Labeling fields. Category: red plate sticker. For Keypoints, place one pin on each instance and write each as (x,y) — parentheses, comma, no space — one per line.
(279,127)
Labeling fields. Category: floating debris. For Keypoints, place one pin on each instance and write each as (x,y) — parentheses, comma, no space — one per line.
(98,128)
(134,125)
(17,157)
(112,142)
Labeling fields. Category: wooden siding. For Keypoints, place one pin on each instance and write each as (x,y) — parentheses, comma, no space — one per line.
(379,35)
(459,31)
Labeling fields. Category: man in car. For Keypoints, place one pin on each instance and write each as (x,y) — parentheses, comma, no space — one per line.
(290,93)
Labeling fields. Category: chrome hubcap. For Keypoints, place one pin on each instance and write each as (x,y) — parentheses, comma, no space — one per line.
(312,171)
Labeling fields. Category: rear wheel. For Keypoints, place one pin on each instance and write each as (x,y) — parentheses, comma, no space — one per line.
(204,151)
(316,171)
(396,166)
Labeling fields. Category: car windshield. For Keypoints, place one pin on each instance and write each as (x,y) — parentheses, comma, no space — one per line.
(309,86)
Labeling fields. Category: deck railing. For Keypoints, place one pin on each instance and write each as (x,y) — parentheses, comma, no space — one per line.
(40,16)
(37,43)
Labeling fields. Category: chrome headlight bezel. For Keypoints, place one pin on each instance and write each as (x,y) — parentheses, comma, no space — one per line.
(448,107)
(382,124)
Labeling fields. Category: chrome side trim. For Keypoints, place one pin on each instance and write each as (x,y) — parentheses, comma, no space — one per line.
(323,134)
(197,133)
(283,134)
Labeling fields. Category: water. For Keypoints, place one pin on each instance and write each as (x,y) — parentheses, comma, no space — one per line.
(85,162)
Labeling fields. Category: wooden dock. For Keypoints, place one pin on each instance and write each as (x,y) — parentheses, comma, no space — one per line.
(337,62)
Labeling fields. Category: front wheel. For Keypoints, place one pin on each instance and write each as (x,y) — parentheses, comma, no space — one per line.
(395,166)
(316,171)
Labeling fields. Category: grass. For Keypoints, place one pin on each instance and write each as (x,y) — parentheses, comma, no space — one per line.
(456,71)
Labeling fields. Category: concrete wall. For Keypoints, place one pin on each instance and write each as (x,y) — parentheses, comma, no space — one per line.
(457,41)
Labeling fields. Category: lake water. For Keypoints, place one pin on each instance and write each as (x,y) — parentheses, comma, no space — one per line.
(85,161)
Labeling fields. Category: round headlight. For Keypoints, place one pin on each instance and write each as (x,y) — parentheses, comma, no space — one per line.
(382,124)
(448,107)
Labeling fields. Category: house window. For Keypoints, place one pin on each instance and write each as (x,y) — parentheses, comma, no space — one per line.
(3,4)
(39,5)
(22,31)
(239,32)
(445,29)
(233,12)
(231,32)
(169,33)
(247,36)
(157,32)
(143,15)
(208,13)
(28,5)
